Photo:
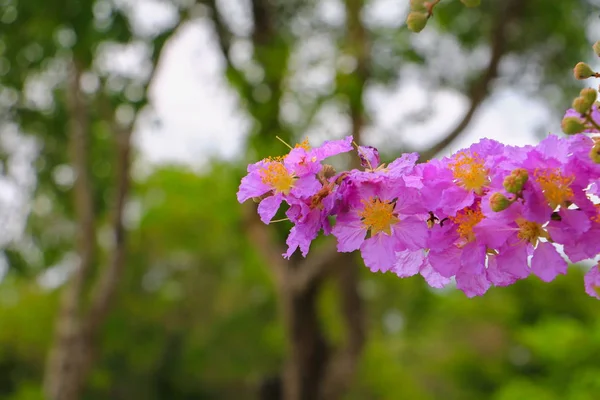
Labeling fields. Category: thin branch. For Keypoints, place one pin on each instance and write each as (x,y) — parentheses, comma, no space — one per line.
(480,90)
(224,36)
(105,287)
(64,357)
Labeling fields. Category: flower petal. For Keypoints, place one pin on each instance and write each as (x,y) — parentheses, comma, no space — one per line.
(547,263)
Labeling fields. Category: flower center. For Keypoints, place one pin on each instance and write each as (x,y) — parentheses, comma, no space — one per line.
(278,177)
(555,186)
(469,171)
(530,231)
(466,219)
(378,216)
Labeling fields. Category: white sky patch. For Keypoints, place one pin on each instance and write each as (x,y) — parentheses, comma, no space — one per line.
(197,112)
(200,117)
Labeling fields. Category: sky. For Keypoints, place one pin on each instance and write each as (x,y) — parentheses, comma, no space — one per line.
(198,115)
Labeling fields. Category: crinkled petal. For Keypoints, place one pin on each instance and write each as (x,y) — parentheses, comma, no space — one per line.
(411,233)
(497,276)
(251,186)
(408,263)
(306,186)
(472,285)
(447,262)
(547,263)
(268,207)
(331,148)
(473,259)
(349,231)
(433,278)
(512,260)
(378,252)
(456,198)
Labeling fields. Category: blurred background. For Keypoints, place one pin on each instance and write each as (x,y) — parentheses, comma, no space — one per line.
(129,270)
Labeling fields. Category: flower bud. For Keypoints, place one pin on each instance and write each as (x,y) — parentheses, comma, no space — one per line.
(572,125)
(514,182)
(596,48)
(590,95)
(499,202)
(583,71)
(581,105)
(416,21)
(418,5)
(595,153)
(471,3)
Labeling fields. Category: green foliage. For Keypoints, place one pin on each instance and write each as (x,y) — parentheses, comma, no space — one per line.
(196,315)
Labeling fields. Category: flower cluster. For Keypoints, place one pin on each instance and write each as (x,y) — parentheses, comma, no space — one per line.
(488,215)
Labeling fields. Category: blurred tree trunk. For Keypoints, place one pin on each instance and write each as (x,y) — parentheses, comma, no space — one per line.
(81,315)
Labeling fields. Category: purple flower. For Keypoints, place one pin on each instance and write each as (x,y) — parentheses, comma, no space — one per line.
(287,178)
(522,238)
(592,282)
(309,217)
(386,211)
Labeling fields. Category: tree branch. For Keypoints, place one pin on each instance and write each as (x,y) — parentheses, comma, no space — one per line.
(236,77)
(481,88)
(105,287)
(62,378)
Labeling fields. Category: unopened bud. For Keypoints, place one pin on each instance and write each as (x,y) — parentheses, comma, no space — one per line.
(595,153)
(416,21)
(499,202)
(590,95)
(471,3)
(596,48)
(327,171)
(572,125)
(581,105)
(514,182)
(418,5)
(583,71)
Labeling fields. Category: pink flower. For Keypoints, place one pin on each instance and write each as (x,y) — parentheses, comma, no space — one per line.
(386,211)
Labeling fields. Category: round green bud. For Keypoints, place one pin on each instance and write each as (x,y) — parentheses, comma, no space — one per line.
(416,21)
(499,202)
(596,48)
(471,3)
(572,125)
(590,95)
(581,105)
(595,153)
(418,5)
(514,182)
(583,71)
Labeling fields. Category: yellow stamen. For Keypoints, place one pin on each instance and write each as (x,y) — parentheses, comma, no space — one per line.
(278,177)
(378,216)
(531,231)
(466,219)
(304,144)
(555,186)
(469,171)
